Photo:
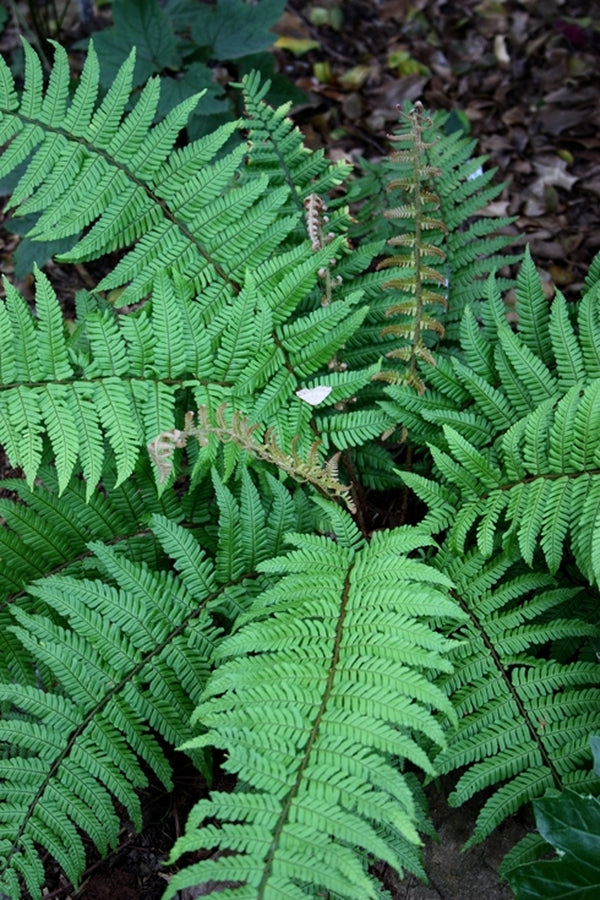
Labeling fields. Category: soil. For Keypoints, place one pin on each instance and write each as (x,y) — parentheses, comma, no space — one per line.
(525,75)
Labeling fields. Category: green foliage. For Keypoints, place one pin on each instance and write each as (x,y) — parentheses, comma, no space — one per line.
(421,201)
(189,561)
(122,659)
(177,39)
(514,430)
(310,723)
(178,42)
(523,720)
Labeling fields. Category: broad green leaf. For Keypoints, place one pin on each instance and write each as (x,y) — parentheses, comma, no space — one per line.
(570,823)
(141,24)
(195,79)
(234,29)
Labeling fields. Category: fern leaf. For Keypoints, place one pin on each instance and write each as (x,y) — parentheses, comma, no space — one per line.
(116,663)
(588,331)
(336,780)
(520,730)
(569,358)
(79,742)
(191,214)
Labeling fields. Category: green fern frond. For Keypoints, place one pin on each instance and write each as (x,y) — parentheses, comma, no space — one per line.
(119,380)
(544,483)
(125,657)
(77,402)
(189,212)
(46,533)
(277,148)
(518,443)
(452,184)
(523,722)
(322,777)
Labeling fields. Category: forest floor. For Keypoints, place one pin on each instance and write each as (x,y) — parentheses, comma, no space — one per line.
(526,75)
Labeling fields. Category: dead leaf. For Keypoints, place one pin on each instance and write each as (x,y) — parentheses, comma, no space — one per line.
(551,171)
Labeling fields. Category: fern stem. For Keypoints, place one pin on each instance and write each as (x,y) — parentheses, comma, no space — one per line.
(417,121)
(500,666)
(314,733)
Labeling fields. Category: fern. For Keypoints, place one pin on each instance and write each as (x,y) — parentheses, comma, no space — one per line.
(424,199)
(122,659)
(43,533)
(116,384)
(189,213)
(128,658)
(316,748)
(119,381)
(527,465)
(419,261)
(524,721)
(180,541)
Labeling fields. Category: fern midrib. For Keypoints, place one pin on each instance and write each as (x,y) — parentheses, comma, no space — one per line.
(538,476)
(501,668)
(97,151)
(182,381)
(132,673)
(311,740)
(418,202)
